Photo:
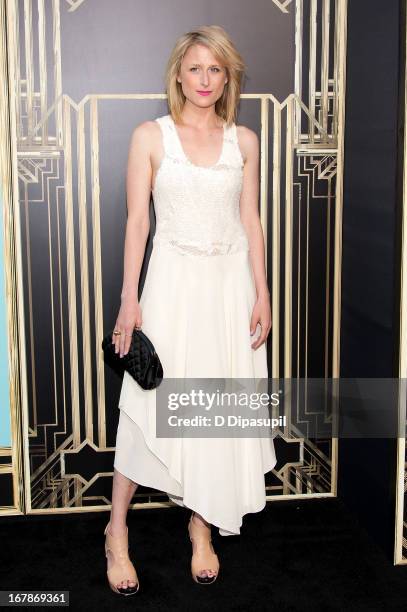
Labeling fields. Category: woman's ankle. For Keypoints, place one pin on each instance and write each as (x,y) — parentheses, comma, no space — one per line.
(197,519)
(117,527)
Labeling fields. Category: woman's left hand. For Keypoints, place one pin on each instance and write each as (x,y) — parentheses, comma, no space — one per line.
(261,315)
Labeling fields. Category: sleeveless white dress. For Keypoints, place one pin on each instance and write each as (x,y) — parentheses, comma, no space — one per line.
(196,303)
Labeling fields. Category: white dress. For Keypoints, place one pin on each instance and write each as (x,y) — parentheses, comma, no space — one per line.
(196,303)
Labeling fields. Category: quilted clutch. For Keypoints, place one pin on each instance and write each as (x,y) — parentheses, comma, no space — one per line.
(141,361)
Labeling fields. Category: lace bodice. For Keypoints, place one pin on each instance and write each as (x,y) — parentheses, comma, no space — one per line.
(197,207)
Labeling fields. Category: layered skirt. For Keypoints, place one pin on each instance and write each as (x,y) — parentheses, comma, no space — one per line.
(196,310)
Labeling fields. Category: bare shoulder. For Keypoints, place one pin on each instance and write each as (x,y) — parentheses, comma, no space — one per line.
(145,144)
(144,132)
(248,141)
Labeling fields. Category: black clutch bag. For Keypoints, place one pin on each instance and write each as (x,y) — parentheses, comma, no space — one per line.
(141,362)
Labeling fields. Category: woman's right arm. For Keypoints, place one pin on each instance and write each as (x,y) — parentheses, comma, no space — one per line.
(138,187)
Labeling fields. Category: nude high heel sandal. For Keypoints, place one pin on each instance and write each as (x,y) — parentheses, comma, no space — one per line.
(200,561)
(121,567)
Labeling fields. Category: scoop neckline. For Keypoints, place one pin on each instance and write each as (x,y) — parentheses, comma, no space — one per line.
(186,156)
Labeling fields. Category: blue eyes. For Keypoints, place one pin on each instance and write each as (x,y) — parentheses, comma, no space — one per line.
(213,68)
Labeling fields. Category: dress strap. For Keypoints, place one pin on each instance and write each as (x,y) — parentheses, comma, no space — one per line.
(168,136)
(233,153)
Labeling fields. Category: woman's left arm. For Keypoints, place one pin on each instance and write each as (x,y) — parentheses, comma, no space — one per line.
(249,213)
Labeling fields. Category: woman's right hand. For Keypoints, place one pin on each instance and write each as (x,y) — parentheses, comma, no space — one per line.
(129,317)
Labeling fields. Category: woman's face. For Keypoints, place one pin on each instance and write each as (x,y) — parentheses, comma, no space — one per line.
(201,72)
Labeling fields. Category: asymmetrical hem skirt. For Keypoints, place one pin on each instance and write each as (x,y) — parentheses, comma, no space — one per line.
(196,310)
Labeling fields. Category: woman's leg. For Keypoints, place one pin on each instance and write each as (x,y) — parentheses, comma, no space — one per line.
(199,520)
(122,493)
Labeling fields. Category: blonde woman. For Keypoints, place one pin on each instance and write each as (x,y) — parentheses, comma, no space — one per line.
(205,303)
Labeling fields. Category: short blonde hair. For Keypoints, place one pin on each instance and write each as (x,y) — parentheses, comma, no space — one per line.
(218,41)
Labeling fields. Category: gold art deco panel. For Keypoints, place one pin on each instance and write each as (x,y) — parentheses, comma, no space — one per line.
(57,194)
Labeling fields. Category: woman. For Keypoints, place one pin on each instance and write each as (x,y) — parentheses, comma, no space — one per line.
(204,300)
